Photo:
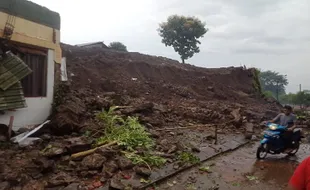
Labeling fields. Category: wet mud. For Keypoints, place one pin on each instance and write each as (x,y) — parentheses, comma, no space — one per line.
(239,170)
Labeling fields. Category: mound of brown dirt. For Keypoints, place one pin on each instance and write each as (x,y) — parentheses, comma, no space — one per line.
(179,93)
(179,104)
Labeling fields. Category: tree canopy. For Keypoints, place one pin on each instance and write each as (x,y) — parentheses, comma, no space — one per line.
(118,46)
(273,82)
(182,33)
(301,98)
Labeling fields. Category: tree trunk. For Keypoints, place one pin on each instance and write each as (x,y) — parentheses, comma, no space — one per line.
(182,60)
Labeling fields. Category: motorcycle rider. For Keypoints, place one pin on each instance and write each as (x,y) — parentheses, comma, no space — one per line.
(287,119)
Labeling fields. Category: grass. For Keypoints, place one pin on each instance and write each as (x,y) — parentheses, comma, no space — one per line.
(130,135)
(187,157)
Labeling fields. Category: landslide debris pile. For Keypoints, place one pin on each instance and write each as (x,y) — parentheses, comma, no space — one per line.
(156,92)
(160,91)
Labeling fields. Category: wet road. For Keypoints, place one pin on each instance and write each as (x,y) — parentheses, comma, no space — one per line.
(239,170)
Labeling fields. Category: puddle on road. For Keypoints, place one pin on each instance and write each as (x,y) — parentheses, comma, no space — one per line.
(240,170)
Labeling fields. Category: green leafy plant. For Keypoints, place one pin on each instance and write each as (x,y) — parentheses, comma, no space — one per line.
(187,157)
(145,159)
(130,135)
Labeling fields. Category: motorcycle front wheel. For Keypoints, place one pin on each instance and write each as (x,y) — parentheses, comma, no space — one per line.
(262,151)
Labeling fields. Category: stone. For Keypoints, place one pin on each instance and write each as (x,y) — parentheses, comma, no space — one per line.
(107,152)
(54,150)
(124,163)
(60,179)
(44,164)
(173,149)
(33,185)
(77,144)
(93,161)
(143,171)
(72,186)
(249,127)
(110,168)
(4,185)
(154,134)
(116,183)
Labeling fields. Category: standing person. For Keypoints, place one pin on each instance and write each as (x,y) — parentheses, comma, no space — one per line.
(301,177)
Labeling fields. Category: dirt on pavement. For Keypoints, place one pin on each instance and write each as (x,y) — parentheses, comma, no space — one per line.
(239,170)
(161,92)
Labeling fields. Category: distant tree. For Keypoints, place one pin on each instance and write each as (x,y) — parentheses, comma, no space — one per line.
(302,98)
(273,82)
(118,46)
(182,33)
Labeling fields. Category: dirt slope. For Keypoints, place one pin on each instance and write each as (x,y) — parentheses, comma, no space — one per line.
(161,92)
(171,93)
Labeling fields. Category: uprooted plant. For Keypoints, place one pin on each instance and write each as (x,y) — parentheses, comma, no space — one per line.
(130,135)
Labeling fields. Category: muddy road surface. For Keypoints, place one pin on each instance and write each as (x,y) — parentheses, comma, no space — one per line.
(239,170)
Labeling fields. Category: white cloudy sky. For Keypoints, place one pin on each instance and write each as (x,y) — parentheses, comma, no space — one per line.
(268,34)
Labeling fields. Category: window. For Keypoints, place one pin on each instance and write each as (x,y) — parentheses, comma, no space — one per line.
(35,84)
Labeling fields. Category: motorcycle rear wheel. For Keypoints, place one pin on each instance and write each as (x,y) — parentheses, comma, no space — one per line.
(262,152)
(295,150)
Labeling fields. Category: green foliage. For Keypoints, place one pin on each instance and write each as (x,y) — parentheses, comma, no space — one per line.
(268,94)
(187,157)
(256,82)
(273,82)
(182,33)
(118,46)
(146,158)
(130,135)
(300,98)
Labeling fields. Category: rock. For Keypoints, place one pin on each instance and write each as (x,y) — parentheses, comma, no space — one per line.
(46,137)
(54,150)
(143,171)
(196,149)
(249,127)
(77,144)
(3,138)
(248,136)
(154,134)
(173,149)
(60,179)
(72,186)
(33,185)
(211,88)
(254,138)
(110,168)
(44,164)
(107,152)
(93,161)
(116,183)
(88,173)
(124,163)
(4,185)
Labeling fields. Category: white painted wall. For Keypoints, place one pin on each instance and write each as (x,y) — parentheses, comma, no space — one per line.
(39,108)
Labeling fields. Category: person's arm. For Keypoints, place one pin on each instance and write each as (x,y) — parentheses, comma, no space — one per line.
(298,180)
(276,119)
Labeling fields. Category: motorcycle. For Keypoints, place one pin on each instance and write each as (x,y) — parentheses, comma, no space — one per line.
(274,143)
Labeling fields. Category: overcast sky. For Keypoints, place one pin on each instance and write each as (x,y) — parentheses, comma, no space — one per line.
(268,34)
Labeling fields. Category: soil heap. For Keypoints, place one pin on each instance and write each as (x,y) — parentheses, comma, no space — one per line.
(161,92)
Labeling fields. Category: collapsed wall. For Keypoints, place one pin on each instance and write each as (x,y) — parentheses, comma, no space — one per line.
(160,91)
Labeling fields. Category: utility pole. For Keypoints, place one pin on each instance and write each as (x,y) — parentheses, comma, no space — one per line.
(278,91)
(299,87)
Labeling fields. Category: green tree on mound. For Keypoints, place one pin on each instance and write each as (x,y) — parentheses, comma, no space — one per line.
(118,46)
(273,82)
(182,33)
